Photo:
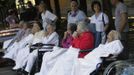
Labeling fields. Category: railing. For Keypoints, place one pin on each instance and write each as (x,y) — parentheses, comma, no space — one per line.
(7,34)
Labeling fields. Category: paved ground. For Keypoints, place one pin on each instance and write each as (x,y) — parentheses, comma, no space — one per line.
(7,71)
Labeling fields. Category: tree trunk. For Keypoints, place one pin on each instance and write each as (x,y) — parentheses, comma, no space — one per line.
(57,9)
(107,8)
(83,5)
(47,2)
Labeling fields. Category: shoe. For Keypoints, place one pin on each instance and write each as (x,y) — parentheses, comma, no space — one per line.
(1,54)
(25,72)
(38,73)
(17,70)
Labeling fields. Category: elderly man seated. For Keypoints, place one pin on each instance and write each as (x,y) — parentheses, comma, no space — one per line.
(50,37)
(66,62)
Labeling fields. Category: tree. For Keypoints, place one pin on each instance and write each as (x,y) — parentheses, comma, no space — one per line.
(107,8)
(83,5)
(47,2)
(57,8)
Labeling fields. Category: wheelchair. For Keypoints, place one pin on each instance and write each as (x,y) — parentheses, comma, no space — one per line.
(121,67)
(42,48)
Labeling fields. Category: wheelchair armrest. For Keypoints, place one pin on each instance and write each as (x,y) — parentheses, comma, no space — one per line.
(110,58)
(47,48)
(41,44)
(42,47)
(37,45)
(89,50)
(48,45)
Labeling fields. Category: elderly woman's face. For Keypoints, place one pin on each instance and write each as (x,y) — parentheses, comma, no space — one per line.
(110,37)
(96,8)
(74,6)
(25,26)
(35,28)
(50,29)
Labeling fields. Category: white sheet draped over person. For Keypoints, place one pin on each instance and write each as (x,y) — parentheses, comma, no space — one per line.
(89,63)
(59,62)
(50,58)
(24,31)
(68,63)
(14,49)
(38,35)
(51,37)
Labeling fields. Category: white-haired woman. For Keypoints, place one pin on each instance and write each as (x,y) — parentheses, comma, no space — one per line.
(83,39)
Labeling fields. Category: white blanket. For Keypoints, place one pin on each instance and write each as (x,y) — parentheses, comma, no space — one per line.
(89,63)
(69,63)
(14,49)
(58,58)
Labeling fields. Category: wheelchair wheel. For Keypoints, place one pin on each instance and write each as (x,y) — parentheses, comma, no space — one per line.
(116,68)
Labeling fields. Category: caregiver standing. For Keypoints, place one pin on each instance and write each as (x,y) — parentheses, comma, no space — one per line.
(101,21)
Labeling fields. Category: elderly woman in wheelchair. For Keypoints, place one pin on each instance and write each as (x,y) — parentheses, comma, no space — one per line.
(33,38)
(66,62)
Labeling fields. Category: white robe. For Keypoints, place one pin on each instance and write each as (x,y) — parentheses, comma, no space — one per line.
(23,53)
(51,39)
(19,36)
(14,49)
(31,57)
(69,64)
(47,16)
(54,62)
